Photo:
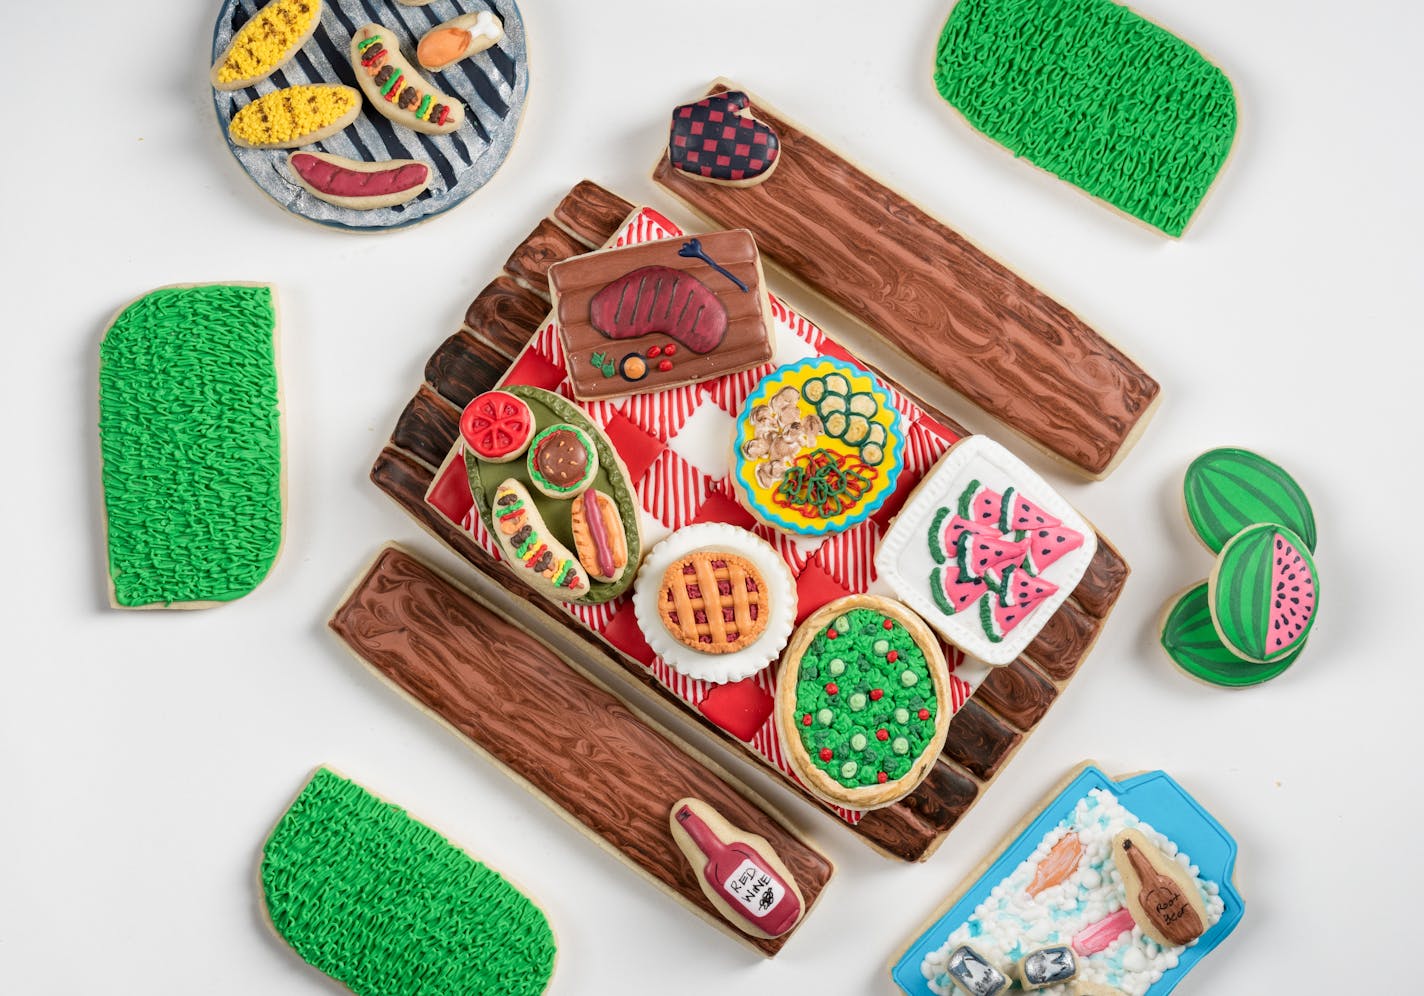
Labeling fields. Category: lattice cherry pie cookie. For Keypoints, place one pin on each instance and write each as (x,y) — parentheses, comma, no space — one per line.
(715,601)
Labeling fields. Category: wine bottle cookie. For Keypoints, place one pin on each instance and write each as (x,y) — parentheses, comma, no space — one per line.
(739,872)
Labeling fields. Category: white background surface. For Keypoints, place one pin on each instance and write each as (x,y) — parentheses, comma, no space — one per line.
(145,755)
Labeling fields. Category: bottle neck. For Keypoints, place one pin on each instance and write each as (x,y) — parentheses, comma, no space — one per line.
(700,832)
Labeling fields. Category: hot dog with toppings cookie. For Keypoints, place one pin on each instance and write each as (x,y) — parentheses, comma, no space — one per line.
(599,535)
(357,185)
(536,556)
(397,90)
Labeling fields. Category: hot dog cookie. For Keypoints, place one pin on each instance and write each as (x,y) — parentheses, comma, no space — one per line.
(360,186)
(265,43)
(458,38)
(599,535)
(397,90)
(525,540)
(295,115)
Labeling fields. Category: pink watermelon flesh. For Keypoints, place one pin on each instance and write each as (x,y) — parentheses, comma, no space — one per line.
(979,553)
(1019,513)
(959,593)
(1019,596)
(956,526)
(1292,598)
(981,506)
(1048,546)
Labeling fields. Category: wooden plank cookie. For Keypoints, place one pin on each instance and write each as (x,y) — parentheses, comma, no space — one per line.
(926,290)
(570,740)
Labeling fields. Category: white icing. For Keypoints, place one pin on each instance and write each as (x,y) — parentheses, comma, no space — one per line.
(1010,923)
(905,564)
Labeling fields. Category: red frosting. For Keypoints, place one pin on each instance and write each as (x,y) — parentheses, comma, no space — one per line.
(338,181)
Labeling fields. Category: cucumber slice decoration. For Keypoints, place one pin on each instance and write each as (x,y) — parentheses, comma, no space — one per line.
(814,390)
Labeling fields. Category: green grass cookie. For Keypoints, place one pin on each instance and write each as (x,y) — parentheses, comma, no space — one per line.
(1095,94)
(388,907)
(190,436)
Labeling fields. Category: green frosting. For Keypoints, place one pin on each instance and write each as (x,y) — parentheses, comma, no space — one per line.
(190,436)
(858,754)
(1095,94)
(388,907)
(1246,604)
(1191,640)
(1228,489)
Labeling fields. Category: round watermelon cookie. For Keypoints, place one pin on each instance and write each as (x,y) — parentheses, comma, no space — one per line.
(862,702)
(1263,593)
(497,427)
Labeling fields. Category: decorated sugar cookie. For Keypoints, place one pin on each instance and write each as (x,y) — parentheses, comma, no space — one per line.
(342,866)
(985,550)
(1250,620)
(458,39)
(599,536)
(562,461)
(576,492)
(1263,593)
(738,872)
(716,602)
(395,89)
(1227,489)
(1111,886)
(718,139)
(191,443)
(265,43)
(360,186)
(1162,897)
(656,315)
(862,701)
(817,447)
(497,426)
(1047,967)
(1153,121)
(531,548)
(973,975)
(295,115)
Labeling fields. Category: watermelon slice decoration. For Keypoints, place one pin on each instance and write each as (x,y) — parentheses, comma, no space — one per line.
(981,506)
(1019,514)
(1263,593)
(952,593)
(945,530)
(497,426)
(977,554)
(1019,595)
(1048,546)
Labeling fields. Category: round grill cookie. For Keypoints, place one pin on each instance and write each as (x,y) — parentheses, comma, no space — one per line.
(862,702)
(715,602)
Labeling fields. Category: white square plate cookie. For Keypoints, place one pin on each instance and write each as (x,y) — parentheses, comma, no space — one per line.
(985,550)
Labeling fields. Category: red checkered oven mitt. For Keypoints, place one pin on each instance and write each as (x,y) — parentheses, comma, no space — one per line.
(718,139)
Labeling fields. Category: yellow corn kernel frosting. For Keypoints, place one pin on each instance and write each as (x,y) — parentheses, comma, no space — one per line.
(268,40)
(288,115)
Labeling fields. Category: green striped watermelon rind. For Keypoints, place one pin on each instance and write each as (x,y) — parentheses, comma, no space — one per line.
(1239,592)
(1190,639)
(1227,489)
